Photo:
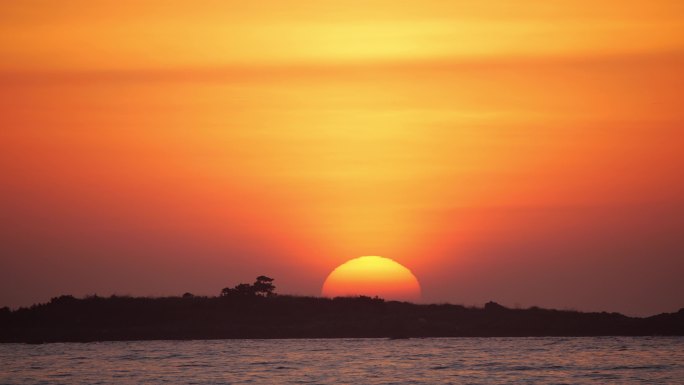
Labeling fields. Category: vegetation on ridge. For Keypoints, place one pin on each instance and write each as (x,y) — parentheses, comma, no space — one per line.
(254,311)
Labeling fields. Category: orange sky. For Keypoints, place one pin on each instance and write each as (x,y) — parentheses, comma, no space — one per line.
(524,152)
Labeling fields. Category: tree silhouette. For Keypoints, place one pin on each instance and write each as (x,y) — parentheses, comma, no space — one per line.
(244,289)
(262,287)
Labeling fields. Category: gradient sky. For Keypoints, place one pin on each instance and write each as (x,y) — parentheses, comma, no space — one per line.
(528,152)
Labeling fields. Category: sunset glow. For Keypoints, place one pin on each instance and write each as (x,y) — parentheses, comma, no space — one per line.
(501,150)
(372,276)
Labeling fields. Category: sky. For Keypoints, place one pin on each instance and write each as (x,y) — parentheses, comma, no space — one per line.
(528,152)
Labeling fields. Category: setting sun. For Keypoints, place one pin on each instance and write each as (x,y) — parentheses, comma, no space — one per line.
(372,276)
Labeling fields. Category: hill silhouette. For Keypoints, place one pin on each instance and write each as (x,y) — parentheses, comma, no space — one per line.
(235,315)
(127,318)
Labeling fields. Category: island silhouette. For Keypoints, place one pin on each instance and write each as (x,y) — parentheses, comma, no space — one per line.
(256,311)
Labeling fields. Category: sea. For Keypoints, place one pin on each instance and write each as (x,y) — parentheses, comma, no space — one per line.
(583,360)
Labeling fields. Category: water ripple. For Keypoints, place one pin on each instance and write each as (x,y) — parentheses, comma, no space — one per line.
(623,360)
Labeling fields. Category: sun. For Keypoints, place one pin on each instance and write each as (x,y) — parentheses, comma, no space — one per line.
(372,276)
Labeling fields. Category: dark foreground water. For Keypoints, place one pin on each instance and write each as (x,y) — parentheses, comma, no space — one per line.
(604,360)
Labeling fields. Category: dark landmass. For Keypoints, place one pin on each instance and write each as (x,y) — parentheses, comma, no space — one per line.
(116,318)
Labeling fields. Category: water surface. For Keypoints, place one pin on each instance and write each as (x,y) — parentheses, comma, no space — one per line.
(605,360)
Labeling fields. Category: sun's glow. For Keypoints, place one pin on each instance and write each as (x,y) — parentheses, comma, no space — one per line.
(234,136)
(372,276)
